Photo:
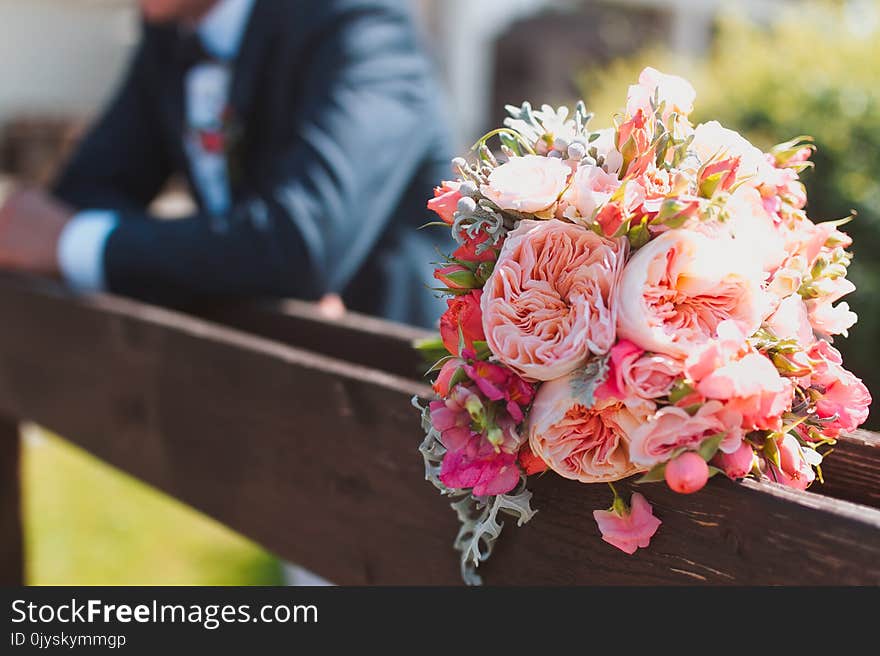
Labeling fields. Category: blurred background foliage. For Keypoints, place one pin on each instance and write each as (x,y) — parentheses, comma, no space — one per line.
(814,70)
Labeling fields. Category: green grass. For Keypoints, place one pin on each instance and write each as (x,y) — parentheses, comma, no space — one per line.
(87,523)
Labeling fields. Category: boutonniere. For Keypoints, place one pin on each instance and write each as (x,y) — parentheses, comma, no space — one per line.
(226,139)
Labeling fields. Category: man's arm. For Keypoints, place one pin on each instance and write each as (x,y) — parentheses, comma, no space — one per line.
(122,163)
(310,224)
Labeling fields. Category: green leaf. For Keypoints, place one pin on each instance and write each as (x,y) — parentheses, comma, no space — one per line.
(655,475)
(431,349)
(771,451)
(714,470)
(709,446)
(680,390)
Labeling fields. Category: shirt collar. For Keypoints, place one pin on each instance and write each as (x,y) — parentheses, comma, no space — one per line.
(222,29)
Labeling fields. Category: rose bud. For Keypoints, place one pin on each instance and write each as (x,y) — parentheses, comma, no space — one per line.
(687,473)
(456,276)
(738,464)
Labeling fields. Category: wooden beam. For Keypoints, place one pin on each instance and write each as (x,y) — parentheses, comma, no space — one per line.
(852,471)
(316,459)
(11,542)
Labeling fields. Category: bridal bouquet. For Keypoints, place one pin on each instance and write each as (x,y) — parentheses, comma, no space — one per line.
(646,300)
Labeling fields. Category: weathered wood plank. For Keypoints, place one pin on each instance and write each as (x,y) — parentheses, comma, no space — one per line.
(316,459)
(11,542)
(358,338)
(852,470)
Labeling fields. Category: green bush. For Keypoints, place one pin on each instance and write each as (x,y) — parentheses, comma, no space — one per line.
(815,71)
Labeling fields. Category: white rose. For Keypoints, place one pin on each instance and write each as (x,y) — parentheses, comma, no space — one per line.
(527,184)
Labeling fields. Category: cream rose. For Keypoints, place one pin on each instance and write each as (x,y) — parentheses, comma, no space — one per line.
(550,301)
(590,188)
(590,445)
(527,184)
(677,289)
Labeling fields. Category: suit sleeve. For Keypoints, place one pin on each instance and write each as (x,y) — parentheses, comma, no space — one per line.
(309,225)
(121,164)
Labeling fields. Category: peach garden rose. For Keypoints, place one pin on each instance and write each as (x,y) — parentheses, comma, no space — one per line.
(677,289)
(587,444)
(550,302)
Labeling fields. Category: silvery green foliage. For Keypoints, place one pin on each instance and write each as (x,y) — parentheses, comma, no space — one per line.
(431,448)
(535,125)
(480,527)
(584,382)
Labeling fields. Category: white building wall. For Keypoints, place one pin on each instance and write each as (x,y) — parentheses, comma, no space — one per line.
(61,57)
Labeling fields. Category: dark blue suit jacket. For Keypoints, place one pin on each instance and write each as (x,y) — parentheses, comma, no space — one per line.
(342,141)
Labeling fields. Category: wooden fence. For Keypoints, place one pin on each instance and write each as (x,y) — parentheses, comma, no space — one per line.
(298,432)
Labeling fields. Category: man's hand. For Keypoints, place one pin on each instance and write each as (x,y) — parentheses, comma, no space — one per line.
(31,222)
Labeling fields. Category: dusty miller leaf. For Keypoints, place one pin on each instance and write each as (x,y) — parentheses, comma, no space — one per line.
(480,527)
(431,448)
(584,382)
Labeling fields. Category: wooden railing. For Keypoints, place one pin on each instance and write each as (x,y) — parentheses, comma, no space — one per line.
(298,432)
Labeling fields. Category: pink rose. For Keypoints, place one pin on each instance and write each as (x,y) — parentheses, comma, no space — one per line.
(829,319)
(678,288)
(713,142)
(628,529)
(790,321)
(605,145)
(550,301)
(445,201)
(444,378)
(677,93)
(738,464)
(844,398)
(527,184)
(672,428)
(589,445)
(632,372)
(752,387)
(462,318)
(795,472)
(590,188)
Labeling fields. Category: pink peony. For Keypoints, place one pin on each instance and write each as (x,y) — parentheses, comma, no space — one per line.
(462,318)
(629,529)
(672,428)
(589,445)
(549,302)
(632,372)
(445,201)
(844,400)
(677,289)
(527,184)
(590,189)
(752,387)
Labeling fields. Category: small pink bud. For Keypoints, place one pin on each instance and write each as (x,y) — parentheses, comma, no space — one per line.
(687,473)
(737,464)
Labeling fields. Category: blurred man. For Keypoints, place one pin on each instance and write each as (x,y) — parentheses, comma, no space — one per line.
(309,133)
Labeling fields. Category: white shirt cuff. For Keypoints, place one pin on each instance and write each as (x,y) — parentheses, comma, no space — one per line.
(81,249)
